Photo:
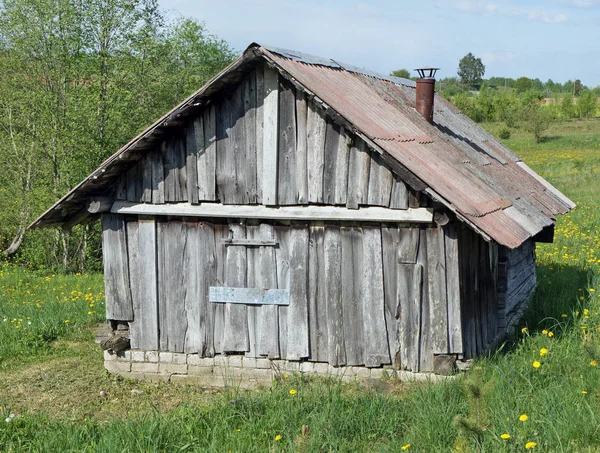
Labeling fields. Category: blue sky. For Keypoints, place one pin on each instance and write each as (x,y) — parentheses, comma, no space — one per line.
(548,39)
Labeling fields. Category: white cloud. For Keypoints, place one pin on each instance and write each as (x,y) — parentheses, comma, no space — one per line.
(512,10)
(497,56)
(582,3)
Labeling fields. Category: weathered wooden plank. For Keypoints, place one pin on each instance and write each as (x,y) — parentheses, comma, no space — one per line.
(249,164)
(352,295)
(158,177)
(475,293)
(380,182)
(259,134)
(390,237)
(270,136)
(250,295)
(160,268)
(332,139)
(193,303)
(333,296)
(221,232)
(194,145)
(316,127)
(235,338)
(410,282)
(466,291)
(121,188)
(266,277)
(455,341)
(408,245)
(341,168)
(146,175)
(134,183)
(208,276)
(436,274)
(282,256)
(375,334)
(297,313)
(117,292)
(399,196)
(143,277)
(317,313)
(425,348)
(301,148)
(174,164)
(252,234)
(207,156)
(359,166)
(287,193)
(133,258)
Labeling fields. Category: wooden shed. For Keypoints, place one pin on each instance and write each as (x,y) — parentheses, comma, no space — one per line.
(299,213)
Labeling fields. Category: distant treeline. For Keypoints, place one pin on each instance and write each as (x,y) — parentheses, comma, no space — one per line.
(78,80)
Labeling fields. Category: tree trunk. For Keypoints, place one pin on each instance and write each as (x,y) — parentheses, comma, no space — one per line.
(16,242)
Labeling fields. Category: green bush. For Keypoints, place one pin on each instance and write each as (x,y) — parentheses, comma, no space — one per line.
(504,133)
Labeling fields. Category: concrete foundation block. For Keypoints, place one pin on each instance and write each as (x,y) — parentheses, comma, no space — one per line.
(117,366)
(221,360)
(165,357)
(200,370)
(145,367)
(364,373)
(138,356)
(263,364)
(108,356)
(152,356)
(235,361)
(152,377)
(124,355)
(307,367)
(179,358)
(321,368)
(172,368)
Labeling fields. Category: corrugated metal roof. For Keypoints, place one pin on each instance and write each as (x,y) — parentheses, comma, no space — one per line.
(462,165)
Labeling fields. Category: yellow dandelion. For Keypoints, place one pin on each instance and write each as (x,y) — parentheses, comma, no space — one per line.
(544,332)
(285,376)
(505,436)
(550,334)
(405,447)
(523,417)
(543,352)
(536,364)
(564,315)
(292,392)
(530,445)
(524,330)
(593,363)
(277,437)
(592,290)
(66,321)
(583,392)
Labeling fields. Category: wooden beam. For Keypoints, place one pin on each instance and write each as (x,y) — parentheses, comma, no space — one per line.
(367,214)
(97,205)
(271,115)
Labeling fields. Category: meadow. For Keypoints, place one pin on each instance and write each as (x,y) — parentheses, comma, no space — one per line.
(539,392)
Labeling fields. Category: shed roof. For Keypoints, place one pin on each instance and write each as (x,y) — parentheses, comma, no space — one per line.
(454,160)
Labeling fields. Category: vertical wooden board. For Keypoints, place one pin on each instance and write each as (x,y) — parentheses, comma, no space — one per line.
(352,297)
(266,277)
(170,156)
(250,161)
(181,190)
(466,293)
(475,293)
(341,168)
(148,319)
(146,175)
(259,133)
(163,337)
(376,350)
(425,347)
(455,341)
(134,183)
(221,233)
(121,188)
(317,313)
(333,295)
(174,247)
(410,284)
(316,127)
(297,312)
(359,165)
(390,239)
(117,292)
(408,245)
(332,139)
(193,276)
(194,150)
(235,337)
(207,277)
(207,158)
(301,148)
(380,182)
(158,176)
(436,279)
(287,193)
(282,257)
(270,135)
(252,232)
(133,258)
(399,197)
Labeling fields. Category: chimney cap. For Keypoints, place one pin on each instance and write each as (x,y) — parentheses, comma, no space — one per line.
(427,73)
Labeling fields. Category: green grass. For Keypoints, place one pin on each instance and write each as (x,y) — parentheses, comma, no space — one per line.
(53,386)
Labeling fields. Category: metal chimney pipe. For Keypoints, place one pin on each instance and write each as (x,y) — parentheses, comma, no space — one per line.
(425,92)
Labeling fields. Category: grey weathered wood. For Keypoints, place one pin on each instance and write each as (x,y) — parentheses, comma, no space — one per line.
(297,313)
(221,232)
(146,175)
(341,168)
(270,136)
(425,348)
(455,341)
(121,188)
(117,292)
(259,133)
(376,348)
(207,155)
(97,205)
(160,268)
(301,148)
(436,273)
(249,296)
(282,256)
(317,312)
(249,164)
(235,338)
(410,278)
(193,277)
(333,296)
(207,260)
(399,197)
(134,183)
(315,141)
(352,295)
(358,175)
(380,182)
(174,170)
(268,315)
(408,245)
(250,242)
(194,145)
(332,139)
(287,193)
(390,239)
(158,176)
(252,234)
(143,277)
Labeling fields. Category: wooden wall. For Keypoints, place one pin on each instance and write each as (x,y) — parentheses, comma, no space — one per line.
(359,294)
(223,155)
